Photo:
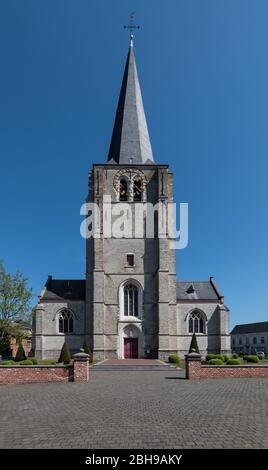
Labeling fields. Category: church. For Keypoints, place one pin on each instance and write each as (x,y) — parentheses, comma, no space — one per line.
(130,304)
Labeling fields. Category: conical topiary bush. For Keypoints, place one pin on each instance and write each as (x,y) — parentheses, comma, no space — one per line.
(20,356)
(87,349)
(194,344)
(65,355)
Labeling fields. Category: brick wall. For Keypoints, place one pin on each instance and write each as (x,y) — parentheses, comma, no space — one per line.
(81,372)
(78,372)
(195,370)
(31,374)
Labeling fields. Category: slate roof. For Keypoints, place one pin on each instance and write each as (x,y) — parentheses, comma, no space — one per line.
(198,290)
(130,142)
(68,289)
(250,328)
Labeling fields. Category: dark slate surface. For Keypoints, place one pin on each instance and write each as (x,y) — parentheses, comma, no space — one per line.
(65,289)
(196,290)
(250,328)
(130,139)
(75,290)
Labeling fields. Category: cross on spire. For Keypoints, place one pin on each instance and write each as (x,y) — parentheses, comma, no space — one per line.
(131,26)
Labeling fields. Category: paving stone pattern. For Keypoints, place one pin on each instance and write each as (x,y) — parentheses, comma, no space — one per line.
(136,409)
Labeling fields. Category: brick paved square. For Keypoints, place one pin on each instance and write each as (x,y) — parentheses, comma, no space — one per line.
(136,408)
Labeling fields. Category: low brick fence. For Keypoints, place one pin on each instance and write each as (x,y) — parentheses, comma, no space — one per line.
(195,370)
(30,374)
(77,372)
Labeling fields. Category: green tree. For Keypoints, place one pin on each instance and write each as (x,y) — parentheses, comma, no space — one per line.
(15,308)
(5,335)
(194,344)
(65,355)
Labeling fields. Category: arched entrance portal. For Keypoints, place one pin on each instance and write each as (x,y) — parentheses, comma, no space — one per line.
(130,342)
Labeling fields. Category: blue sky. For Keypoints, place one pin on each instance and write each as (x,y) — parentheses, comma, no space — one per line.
(203,68)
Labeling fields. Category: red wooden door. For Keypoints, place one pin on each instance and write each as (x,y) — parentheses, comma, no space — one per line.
(131,348)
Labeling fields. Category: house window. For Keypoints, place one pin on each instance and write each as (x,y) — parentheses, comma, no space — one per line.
(254,340)
(123,194)
(130,260)
(247,340)
(196,323)
(262,340)
(131,301)
(240,341)
(233,341)
(66,321)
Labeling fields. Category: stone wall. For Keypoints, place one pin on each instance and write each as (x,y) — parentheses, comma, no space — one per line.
(48,341)
(217,337)
(195,370)
(107,268)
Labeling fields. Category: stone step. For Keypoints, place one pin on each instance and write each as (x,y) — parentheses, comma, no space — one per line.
(100,367)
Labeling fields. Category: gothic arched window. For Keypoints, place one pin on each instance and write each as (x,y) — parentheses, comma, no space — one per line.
(196,323)
(66,321)
(123,190)
(137,189)
(131,301)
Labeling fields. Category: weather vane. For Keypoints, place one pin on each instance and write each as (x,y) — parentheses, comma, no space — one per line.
(131,26)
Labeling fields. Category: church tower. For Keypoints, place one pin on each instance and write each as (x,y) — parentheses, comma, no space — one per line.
(130,276)
(130,304)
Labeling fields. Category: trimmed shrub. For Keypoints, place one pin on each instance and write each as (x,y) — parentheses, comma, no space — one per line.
(235,356)
(226,357)
(253,359)
(233,362)
(210,356)
(87,350)
(65,355)
(34,360)
(221,357)
(215,362)
(20,356)
(27,362)
(174,359)
(7,363)
(260,357)
(194,344)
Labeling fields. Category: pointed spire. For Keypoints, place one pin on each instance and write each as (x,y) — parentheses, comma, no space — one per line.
(130,142)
